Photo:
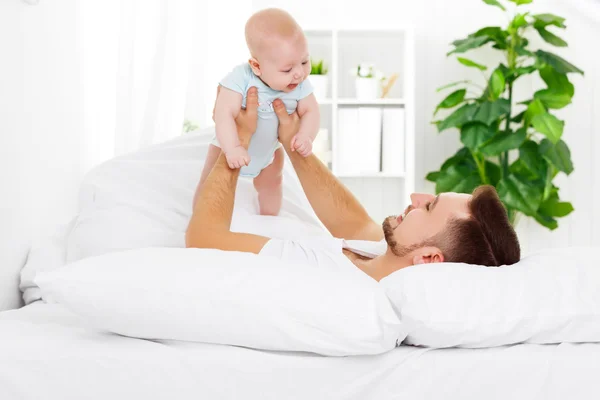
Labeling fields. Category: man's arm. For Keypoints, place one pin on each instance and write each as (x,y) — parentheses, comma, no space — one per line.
(210,225)
(334,204)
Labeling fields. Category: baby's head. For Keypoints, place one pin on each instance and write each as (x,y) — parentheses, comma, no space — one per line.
(279,53)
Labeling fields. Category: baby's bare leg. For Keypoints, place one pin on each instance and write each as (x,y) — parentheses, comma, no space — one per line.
(209,163)
(268,185)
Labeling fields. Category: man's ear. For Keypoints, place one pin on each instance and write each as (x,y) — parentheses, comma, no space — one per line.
(254,64)
(426,255)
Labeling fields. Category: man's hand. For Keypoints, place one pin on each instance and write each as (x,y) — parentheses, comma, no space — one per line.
(246,119)
(289,124)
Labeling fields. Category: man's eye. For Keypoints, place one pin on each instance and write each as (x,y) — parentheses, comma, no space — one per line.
(288,71)
(427,206)
(305,62)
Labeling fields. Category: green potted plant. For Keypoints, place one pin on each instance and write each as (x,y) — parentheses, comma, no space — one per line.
(189,126)
(368,81)
(514,144)
(319,78)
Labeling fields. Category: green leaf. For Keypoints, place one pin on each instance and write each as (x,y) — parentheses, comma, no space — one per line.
(555,208)
(452,100)
(451,85)
(517,193)
(552,99)
(519,21)
(472,42)
(558,155)
(518,118)
(503,141)
(519,168)
(546,221)
(462,156)
(548,125)
(522,51)
(496,84)
(492,171)
(559,64)
(458,118)
(519,2)
(432,176)
(525,70)
(556,81)
(495,34)
(531,159)
(459,179)
(488,112)
(549,19)
(494,3)
(473,134)
(536,107)
(550,37)
(470,63)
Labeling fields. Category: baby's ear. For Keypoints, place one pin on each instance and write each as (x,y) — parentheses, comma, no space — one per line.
(255,66)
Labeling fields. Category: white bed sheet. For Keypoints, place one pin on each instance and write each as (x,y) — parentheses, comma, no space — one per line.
(46,352)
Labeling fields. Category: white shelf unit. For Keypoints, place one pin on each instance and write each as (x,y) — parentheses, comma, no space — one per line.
(391,50)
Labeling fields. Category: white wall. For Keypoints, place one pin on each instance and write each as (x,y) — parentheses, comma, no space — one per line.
(437,23)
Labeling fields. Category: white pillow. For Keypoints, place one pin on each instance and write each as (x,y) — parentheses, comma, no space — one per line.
(46,253)
(144,199)
(230,298)
(548,297)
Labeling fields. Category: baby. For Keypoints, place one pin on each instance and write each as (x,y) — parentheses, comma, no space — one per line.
(278,68)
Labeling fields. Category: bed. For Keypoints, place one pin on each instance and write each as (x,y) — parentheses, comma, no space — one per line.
(48,352)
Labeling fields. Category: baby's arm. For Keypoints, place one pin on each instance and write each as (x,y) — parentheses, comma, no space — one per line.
(310,122)
(227,108)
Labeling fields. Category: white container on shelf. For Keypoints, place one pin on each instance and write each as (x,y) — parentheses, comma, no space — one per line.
(368,143)
(368,88)
(393,147)
(348,142)
(320,84)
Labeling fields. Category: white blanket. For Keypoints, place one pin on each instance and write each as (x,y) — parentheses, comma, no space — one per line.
(47,353)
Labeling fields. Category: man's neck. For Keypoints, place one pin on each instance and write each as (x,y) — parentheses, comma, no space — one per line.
(380,266)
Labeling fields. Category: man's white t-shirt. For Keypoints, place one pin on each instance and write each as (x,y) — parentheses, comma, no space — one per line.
(323,251)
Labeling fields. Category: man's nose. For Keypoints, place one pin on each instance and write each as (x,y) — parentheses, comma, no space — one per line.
(419,200)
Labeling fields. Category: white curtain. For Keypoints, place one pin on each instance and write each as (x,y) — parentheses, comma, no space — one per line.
(218,46)
(136,58)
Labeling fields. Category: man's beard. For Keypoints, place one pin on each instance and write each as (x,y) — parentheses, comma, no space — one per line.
(397,249)
(388,233)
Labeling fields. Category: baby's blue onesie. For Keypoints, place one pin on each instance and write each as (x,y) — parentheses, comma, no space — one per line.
(264,141)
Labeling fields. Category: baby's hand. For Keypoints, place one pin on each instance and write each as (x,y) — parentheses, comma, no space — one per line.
(237,157)
(302,144)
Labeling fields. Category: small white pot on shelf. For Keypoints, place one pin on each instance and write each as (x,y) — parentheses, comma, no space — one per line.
(368,88)
(320,84)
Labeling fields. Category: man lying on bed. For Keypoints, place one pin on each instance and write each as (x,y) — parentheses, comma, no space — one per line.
(450,227)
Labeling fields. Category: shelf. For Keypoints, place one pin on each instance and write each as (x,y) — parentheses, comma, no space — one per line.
(358,102)
(371,175)
(374,102)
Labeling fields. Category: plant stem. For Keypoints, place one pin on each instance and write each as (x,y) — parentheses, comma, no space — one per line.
(504,157)
(480,168)
(512,62)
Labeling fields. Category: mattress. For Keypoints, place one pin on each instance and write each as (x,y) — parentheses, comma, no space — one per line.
(47,352)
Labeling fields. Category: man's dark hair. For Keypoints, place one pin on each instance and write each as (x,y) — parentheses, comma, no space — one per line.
(485,238)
